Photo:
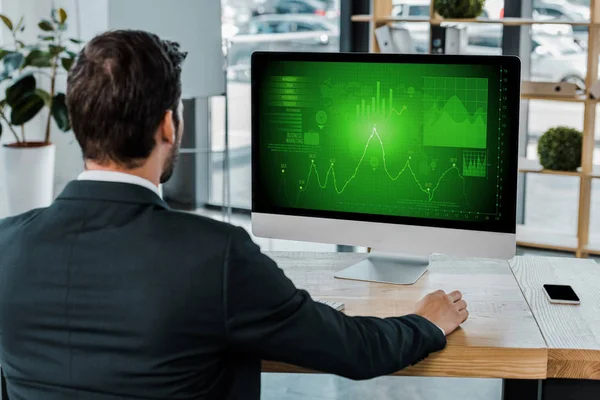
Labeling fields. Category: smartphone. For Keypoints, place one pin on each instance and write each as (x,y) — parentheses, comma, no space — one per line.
(561,294)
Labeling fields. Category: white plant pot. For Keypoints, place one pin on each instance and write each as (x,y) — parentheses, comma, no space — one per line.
(29,174)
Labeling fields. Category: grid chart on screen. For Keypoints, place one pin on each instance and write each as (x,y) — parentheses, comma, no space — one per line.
(475,163)
(457,116)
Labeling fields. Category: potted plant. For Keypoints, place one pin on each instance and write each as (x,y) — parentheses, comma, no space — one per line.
(459,8)
(559,149)
(29,164)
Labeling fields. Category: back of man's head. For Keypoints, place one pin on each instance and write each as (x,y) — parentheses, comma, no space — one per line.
(118,92)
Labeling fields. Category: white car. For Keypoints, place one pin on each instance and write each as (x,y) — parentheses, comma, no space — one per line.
(553,59)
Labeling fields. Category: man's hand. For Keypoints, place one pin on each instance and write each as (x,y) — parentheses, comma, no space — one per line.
(447,311)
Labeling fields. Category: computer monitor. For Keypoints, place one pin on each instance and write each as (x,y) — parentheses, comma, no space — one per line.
(405,154)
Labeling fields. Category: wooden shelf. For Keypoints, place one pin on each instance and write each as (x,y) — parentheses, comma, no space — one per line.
(438,21)
(534,167)
(370,18)
(509,21)
(362,18)
(543,239)
(577,99)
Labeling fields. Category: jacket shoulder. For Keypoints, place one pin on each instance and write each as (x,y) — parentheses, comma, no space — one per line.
(186,221)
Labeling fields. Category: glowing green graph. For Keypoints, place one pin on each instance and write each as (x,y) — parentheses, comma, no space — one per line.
(339,189)
(379,139)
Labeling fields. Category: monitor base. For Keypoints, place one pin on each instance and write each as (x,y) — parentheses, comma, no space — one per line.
(396,270)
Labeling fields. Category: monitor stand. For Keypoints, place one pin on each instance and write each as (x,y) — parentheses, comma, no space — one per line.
(387,268)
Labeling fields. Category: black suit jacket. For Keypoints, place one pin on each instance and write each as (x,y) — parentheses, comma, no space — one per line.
(108,295)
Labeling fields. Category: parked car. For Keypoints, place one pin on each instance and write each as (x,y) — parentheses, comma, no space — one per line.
(316,7)
(553,59)
(562,10)
(489,33)
(411,8)
(280,32)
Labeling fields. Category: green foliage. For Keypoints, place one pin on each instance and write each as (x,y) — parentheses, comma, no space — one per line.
(26,108)
(52,54)
(7,22)
(67,63)
(459,8)
(59,112)
(42,94)
(22,87)
(46,26)
(560,149)
(39,59)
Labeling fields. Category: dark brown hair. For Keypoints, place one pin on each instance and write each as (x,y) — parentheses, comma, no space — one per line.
(118,92)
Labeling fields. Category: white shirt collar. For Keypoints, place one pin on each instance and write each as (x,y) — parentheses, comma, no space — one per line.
(114,176)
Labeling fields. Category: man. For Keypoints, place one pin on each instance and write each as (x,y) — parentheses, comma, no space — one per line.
(109,295)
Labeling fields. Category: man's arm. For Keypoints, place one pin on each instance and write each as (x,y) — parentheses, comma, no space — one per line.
(267,316)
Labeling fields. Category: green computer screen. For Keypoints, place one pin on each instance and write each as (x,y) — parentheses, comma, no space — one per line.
(388,139)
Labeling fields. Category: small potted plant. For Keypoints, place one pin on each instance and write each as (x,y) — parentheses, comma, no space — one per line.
(29,164)
(559,149)
(459,8)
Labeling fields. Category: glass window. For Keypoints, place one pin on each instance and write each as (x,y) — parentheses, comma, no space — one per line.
(595,216)
(551,203)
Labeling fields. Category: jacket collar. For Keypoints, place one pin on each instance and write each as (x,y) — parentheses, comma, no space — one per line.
(111,191)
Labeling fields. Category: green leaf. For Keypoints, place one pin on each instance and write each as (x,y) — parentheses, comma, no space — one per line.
(46,25)
(7,22)
(56,50)
(12,62)
(46,37)
(60,112)
(22,87)
(26,109)
(72,54)
(4,53)
(62,15)
(39,59)
(44,96)
(67,63)
(76,41)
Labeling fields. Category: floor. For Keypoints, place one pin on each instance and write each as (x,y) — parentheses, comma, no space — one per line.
(321,387)
(330,387)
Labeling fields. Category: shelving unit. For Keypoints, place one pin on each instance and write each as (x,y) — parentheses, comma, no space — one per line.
(526,236)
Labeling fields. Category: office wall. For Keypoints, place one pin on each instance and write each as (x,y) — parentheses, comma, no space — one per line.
(195,24)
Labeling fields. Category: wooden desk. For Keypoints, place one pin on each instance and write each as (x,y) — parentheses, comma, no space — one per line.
(572,333)
(500,340)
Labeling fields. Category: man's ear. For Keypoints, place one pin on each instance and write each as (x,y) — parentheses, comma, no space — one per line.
(167,128)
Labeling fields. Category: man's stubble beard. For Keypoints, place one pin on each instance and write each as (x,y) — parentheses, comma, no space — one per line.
(170,164)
